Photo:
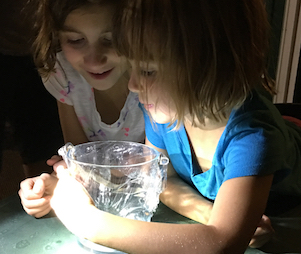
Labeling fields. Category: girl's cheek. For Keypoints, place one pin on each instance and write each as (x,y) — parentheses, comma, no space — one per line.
(71,52)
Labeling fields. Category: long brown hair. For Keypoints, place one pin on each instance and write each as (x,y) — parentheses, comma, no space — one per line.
(50,18)
(211,53)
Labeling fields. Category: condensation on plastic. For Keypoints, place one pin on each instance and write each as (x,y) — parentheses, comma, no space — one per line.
(122,178)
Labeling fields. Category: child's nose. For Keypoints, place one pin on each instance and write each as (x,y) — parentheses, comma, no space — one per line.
(95,56)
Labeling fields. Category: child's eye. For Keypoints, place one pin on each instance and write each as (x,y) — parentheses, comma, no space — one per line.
(148,73)
(107,42)
(106,39)
(76,42)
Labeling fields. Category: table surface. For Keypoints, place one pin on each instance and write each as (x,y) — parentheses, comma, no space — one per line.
(21,233)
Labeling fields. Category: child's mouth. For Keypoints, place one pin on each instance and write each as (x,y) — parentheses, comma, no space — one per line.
(100,76)
(148,106)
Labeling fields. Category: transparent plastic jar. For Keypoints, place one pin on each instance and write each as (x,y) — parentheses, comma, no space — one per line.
(122,178)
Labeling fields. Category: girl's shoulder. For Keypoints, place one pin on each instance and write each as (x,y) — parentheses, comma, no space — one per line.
(259,141)
(257,112)
(63,72)
(258,127)
(64,69)
(64,82)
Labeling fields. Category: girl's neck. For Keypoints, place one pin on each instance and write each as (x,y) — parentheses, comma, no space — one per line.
(204,139)
(209,124)
(110,102)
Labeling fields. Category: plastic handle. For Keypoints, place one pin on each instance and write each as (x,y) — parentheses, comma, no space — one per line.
(163,161)
(63,151)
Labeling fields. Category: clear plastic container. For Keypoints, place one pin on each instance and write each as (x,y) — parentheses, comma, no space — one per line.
(123,178)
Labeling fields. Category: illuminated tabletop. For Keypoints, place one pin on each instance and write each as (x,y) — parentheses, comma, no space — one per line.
(21,233)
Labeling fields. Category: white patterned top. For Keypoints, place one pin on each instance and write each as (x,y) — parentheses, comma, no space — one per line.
(69,87)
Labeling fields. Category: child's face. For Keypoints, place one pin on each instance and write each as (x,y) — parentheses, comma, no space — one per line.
(86,41)
(156,101)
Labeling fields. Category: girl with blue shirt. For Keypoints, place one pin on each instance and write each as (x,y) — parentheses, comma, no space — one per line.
(199,68)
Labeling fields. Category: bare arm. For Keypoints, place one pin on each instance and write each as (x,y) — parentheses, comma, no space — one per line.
(72,129)
(182,198)
(236,212)
(187,201)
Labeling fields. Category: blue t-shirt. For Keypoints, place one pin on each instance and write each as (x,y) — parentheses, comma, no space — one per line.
(256,141)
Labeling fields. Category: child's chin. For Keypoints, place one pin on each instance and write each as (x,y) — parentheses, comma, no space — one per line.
(161,118)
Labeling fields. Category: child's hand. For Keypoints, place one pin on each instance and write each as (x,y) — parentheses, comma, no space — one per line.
(35,194)
(56,161)
(71,201)
(263,233)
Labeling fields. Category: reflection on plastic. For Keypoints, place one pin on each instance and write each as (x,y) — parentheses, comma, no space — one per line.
(123,178)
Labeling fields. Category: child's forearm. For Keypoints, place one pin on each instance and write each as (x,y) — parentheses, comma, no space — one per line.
(226,234)
(186,201)
(133,236)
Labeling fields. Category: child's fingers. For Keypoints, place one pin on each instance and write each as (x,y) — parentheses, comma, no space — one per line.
(266,223)
(39,187)
(263,233)
(54,159)
(61,172)
(59,164)
(31,190)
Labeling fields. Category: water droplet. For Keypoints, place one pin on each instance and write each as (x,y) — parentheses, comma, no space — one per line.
(22,244)
(34,235)
(48,247)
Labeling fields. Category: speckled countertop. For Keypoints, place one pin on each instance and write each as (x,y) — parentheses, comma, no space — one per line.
(23,234)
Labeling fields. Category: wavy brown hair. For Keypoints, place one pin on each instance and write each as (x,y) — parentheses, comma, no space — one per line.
(50,18)
(211,53)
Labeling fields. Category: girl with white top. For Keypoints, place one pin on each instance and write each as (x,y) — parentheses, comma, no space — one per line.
(81,69)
